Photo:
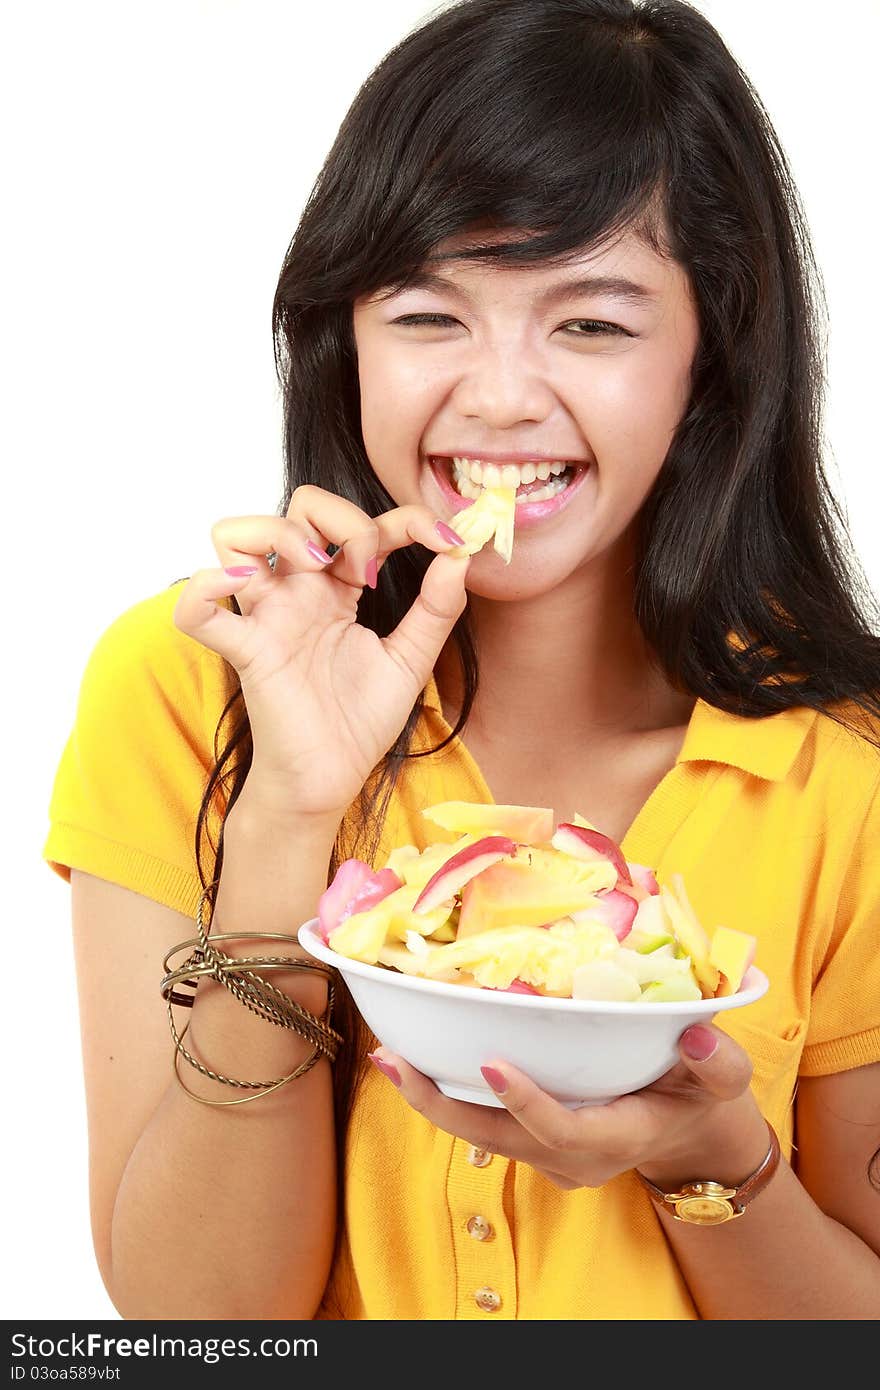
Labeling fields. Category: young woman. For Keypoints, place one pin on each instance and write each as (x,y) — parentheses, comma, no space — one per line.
(549,232)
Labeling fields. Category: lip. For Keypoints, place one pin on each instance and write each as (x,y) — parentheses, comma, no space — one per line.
(526,513)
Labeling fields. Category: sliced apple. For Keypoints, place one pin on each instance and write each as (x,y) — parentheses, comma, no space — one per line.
(673,990)
(354,885)
(643,877)
(651,923)
(519,987)
(461,868)
(603,979)
(646,967)
(732,952)
(373,890)
(581,843)
(514,893)
(618,910)
(417,871)
(525,824)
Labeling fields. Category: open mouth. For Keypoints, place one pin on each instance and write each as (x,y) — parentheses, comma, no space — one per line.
(540,481)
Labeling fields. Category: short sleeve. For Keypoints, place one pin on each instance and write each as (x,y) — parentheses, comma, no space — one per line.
(134,770)
(844,1030)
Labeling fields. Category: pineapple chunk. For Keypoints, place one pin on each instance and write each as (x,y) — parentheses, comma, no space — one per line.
(492,514)
(525,824)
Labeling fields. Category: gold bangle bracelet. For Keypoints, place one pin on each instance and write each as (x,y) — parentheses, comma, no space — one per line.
(238,976)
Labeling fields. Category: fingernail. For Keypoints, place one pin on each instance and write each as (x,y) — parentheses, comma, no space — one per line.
(447,534)
(385,1068)
(240,571)
(699,1043)
(496,1079)
(317,553)
(372,571)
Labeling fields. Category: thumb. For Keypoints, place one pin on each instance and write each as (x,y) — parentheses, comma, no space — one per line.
(718,1063)
(419,637)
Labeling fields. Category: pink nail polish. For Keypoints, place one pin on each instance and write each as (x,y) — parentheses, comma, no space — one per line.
(447,534)
(699,1043)
(240,571)
(496,1079)
(385,1068)
(317,553)
(372,571)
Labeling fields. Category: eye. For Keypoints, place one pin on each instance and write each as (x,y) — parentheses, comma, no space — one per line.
(427,320)
(595,328)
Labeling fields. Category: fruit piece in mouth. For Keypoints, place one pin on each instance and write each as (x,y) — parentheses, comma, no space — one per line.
(490,516)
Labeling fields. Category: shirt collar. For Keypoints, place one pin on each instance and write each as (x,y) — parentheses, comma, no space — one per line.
(765,747)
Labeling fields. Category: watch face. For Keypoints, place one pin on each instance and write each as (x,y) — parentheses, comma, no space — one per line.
(704,1210)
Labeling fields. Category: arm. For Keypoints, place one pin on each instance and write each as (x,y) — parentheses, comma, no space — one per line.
(171,1179)
(808,1247)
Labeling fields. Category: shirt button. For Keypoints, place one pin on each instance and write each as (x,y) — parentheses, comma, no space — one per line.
(478,1157)
(488,1300)
(480,1228)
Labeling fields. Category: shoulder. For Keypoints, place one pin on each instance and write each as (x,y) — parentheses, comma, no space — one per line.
(143,671)
(144,639)
(846,752)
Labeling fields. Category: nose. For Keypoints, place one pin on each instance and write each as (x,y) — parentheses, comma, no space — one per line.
(503,387)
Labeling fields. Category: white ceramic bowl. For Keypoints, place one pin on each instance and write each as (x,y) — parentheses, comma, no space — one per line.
(582,1051)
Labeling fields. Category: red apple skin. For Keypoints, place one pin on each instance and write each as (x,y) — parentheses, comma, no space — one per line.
(616,908)
(643,877)
(591,844)
(372,891)
(334,904)
(461,868)
(515,987)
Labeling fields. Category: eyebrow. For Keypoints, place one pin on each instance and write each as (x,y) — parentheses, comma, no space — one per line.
(609,286)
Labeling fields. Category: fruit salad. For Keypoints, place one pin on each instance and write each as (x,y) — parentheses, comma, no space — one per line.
(515,904)
(491,516)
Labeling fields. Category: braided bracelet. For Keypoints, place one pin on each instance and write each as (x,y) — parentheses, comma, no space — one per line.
(256,993)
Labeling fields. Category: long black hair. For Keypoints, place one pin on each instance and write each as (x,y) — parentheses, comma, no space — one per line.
(571,121)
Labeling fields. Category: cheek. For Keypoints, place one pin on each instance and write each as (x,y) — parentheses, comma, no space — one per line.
(398,398)
(634,408)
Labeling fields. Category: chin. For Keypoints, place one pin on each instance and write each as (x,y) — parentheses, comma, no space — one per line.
(489,577)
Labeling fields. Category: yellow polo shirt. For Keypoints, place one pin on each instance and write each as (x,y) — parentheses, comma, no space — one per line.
(774,825)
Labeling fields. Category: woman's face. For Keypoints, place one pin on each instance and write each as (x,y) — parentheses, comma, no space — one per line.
(520,362)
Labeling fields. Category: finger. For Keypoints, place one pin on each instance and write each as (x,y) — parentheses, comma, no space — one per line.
(200,613)
(552,1124)
(371,538)
(423,630)
(713,1059)
(483,1126)
(249,540)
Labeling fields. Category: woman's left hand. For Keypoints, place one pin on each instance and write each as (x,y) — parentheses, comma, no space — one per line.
(698,1117)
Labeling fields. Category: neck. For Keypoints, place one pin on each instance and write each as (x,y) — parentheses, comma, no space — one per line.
(572,661)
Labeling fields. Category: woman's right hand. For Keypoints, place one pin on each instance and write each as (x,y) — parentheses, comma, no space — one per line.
(326,698)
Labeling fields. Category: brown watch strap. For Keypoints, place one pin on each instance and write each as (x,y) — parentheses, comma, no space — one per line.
(742,1195)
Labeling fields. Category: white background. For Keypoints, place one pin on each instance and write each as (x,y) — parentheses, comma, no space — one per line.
(158,156)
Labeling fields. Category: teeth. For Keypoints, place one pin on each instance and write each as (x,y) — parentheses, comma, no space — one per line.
(505,475)
(473,490)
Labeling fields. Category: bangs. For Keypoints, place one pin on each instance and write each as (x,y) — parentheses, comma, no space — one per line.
(474,134)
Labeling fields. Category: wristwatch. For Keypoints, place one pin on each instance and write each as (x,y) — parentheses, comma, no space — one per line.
(707,1203)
